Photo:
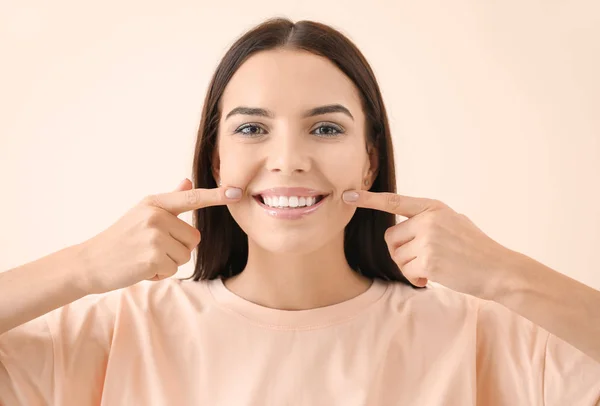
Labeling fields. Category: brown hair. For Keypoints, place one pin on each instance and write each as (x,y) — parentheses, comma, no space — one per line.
(224,247)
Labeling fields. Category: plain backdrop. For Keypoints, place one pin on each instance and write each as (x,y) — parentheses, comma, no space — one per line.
(494,108)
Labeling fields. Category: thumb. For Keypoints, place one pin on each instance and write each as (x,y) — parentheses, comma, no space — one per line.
(185,184)
(420,282)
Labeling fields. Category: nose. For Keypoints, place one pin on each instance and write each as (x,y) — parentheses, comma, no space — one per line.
(288,154)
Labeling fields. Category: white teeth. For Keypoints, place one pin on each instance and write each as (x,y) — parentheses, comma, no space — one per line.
(289,201)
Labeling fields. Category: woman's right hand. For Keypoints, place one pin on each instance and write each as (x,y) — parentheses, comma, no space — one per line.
(149,242)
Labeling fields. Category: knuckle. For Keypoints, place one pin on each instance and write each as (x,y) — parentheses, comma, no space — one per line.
(153,259)
(398,257)
(407,269)
(387,235)
(431,219)
(439,204)
(151,200)
(436,214)
(154,238)
(191,197)
(183,258)
(151,217)
(192,239)
(147,199)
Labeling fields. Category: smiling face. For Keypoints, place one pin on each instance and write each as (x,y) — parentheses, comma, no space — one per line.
(292,135)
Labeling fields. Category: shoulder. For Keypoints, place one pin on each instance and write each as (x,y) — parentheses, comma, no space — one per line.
(434,300)
(438,309)
(437,299)
(147,298)
(168,301)
(173,290)
(145,294)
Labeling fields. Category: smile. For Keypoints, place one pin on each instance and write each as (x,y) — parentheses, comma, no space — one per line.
(290,203)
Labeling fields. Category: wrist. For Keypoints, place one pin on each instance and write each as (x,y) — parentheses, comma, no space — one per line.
(80,269)
(512,277)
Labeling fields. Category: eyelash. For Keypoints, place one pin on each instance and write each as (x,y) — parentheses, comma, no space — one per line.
(338,130)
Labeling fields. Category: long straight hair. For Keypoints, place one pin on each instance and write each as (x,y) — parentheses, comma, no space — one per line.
(223,251)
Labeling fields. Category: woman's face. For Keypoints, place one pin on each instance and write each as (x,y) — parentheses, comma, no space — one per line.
(293,160)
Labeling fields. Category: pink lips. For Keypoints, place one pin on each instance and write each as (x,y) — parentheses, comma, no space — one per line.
(290,213)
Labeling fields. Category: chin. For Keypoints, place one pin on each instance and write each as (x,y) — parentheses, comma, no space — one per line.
(288,244)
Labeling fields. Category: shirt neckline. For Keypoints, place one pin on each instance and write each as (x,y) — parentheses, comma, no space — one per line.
(296,319)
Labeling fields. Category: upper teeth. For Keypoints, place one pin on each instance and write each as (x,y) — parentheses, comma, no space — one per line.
(289,201)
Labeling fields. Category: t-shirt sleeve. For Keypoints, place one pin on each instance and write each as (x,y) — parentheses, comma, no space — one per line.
(27,365)
(570,376)
(519,360)
(63,351)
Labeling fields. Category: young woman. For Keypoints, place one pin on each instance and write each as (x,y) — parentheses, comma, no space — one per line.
(305,290)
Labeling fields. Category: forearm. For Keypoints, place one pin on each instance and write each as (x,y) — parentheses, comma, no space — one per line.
(561,305)
(38,287)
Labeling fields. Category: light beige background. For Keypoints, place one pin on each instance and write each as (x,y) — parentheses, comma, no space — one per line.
(494,107)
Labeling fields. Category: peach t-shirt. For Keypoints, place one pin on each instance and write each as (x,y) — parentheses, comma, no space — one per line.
(197,343)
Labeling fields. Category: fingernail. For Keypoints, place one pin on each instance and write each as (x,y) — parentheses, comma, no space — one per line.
(233,193)
(350,196)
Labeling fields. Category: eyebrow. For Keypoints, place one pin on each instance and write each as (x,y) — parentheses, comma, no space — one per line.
(317,111)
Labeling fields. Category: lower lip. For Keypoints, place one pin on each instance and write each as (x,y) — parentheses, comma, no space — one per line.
(291,214)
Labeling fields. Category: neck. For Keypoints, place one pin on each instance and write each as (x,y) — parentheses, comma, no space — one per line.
(298,281)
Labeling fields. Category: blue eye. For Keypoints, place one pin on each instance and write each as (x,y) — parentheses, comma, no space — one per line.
(252,130)
(249,133)
(337,130)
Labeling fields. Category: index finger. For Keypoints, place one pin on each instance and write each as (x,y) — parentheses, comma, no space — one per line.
(406,206)
(186,200)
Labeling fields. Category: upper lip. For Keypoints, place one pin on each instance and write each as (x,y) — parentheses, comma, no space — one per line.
(291,191)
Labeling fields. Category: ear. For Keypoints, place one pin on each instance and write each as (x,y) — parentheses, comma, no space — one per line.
(373,169)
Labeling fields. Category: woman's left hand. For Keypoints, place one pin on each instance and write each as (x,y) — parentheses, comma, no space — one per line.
(437,243)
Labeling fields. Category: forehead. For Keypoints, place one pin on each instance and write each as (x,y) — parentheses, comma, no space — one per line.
(289,81)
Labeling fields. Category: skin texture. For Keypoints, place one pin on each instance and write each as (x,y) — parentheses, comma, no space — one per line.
(293,264)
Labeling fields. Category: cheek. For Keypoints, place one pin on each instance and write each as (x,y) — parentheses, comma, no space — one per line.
(242,213)
(236,167)
(346,170)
